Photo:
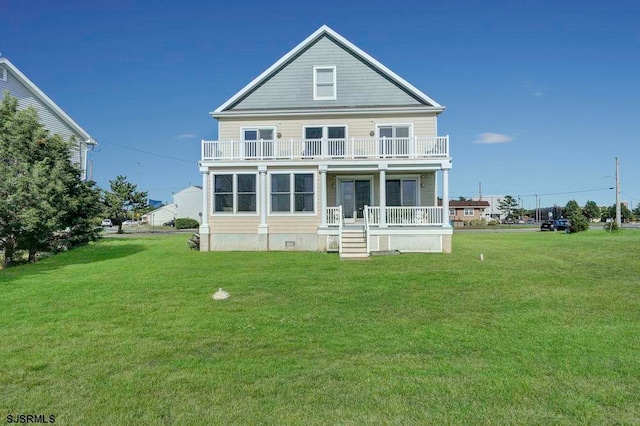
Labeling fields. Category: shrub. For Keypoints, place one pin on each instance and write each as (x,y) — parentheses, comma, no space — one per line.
(578,222)
(186,223)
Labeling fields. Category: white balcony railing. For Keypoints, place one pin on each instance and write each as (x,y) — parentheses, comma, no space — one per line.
(406,216)
(301,149)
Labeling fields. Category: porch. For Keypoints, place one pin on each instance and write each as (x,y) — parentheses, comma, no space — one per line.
(326,149)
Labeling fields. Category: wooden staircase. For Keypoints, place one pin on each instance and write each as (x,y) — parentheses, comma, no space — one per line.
(353,243)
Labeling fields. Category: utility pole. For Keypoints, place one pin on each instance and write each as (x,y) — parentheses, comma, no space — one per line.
(537,208)
(618,218)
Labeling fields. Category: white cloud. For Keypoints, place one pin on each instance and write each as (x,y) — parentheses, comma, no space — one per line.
(187,136)
(492,138)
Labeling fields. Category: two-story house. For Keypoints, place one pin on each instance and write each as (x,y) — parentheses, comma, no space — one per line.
(327,150)
(52,117)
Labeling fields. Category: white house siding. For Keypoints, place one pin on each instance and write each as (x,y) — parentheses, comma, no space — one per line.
(361,126)
(162,215)
(358,84)
(48,118)
(188,203)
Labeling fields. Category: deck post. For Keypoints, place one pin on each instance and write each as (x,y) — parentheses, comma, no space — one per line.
(383,196)
(323,195)
(204,225)
(445,198)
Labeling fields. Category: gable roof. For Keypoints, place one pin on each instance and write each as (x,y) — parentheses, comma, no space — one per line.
(324,30)
(39,94)
(466,203)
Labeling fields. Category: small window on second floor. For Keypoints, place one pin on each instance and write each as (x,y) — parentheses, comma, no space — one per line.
(324,83)
(468,211)
(3,74)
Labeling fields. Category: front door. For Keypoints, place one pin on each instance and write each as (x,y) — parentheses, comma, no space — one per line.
(354,195)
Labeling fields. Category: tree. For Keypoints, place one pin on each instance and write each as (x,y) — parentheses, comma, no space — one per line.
(123,200)
(507,205)
(44,204)
(636,213)
(573,212)
(591,210)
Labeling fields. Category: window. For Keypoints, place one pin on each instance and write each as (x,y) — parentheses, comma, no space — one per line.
(286,200)
(402,192)
(324,83)
(258,149)
(396,139)
(335,137)
(234,193)
(3,74)
(452,212)
(468,211)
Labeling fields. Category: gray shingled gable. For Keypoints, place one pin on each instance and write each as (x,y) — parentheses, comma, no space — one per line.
(359,83)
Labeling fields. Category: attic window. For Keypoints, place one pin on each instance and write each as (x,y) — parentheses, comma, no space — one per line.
(3,74)
(324,83)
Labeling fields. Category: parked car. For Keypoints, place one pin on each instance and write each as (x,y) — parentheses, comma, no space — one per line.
(562,224)
(548,225)
(107,222)
(170,223)
(130,223)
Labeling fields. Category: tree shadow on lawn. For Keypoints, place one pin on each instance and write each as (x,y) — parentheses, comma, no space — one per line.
(92,253)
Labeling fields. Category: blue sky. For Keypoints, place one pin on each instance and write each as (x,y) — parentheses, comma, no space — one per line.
(541,96)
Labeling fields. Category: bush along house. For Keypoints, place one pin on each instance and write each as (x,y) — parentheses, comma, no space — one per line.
(327,150)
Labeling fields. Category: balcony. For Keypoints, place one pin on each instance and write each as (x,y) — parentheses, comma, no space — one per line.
(326,149)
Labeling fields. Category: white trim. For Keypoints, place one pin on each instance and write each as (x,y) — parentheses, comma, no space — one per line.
(46,100)
(324,112)
(315,84)
(346,43)
(378,125)
(325,133)
(234,188)
(342,178)
(404,177)
(245,128)
(291,173)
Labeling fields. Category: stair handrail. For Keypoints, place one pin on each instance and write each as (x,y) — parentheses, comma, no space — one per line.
(366,226)
(340,228)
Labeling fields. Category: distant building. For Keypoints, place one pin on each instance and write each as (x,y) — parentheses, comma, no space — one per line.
(492,212)
(466,211)
(188,203)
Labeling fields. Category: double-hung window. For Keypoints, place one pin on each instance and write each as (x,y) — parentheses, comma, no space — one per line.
(292,193)
(331,137)
(468,211)
(234,193)
(324,83)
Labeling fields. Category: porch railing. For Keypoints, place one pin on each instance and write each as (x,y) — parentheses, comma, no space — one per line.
(406,216)
(334,216)
(349,148)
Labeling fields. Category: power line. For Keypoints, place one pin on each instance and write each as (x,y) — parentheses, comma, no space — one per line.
(150,153)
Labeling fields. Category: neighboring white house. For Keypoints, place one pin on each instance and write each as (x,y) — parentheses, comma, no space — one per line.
(327,150)
(188,203)
(160,215)
(53,118)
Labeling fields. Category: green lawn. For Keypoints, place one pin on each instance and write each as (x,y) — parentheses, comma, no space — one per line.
(545,330)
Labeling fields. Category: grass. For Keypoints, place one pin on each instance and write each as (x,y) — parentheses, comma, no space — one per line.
(544,330)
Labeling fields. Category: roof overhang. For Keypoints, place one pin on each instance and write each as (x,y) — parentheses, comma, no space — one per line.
(47,101)
(328,111)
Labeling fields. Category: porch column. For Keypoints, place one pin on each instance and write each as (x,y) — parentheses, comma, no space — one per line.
(323,195)
(263,196)
(204,229)
(445,198)
(383,197)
